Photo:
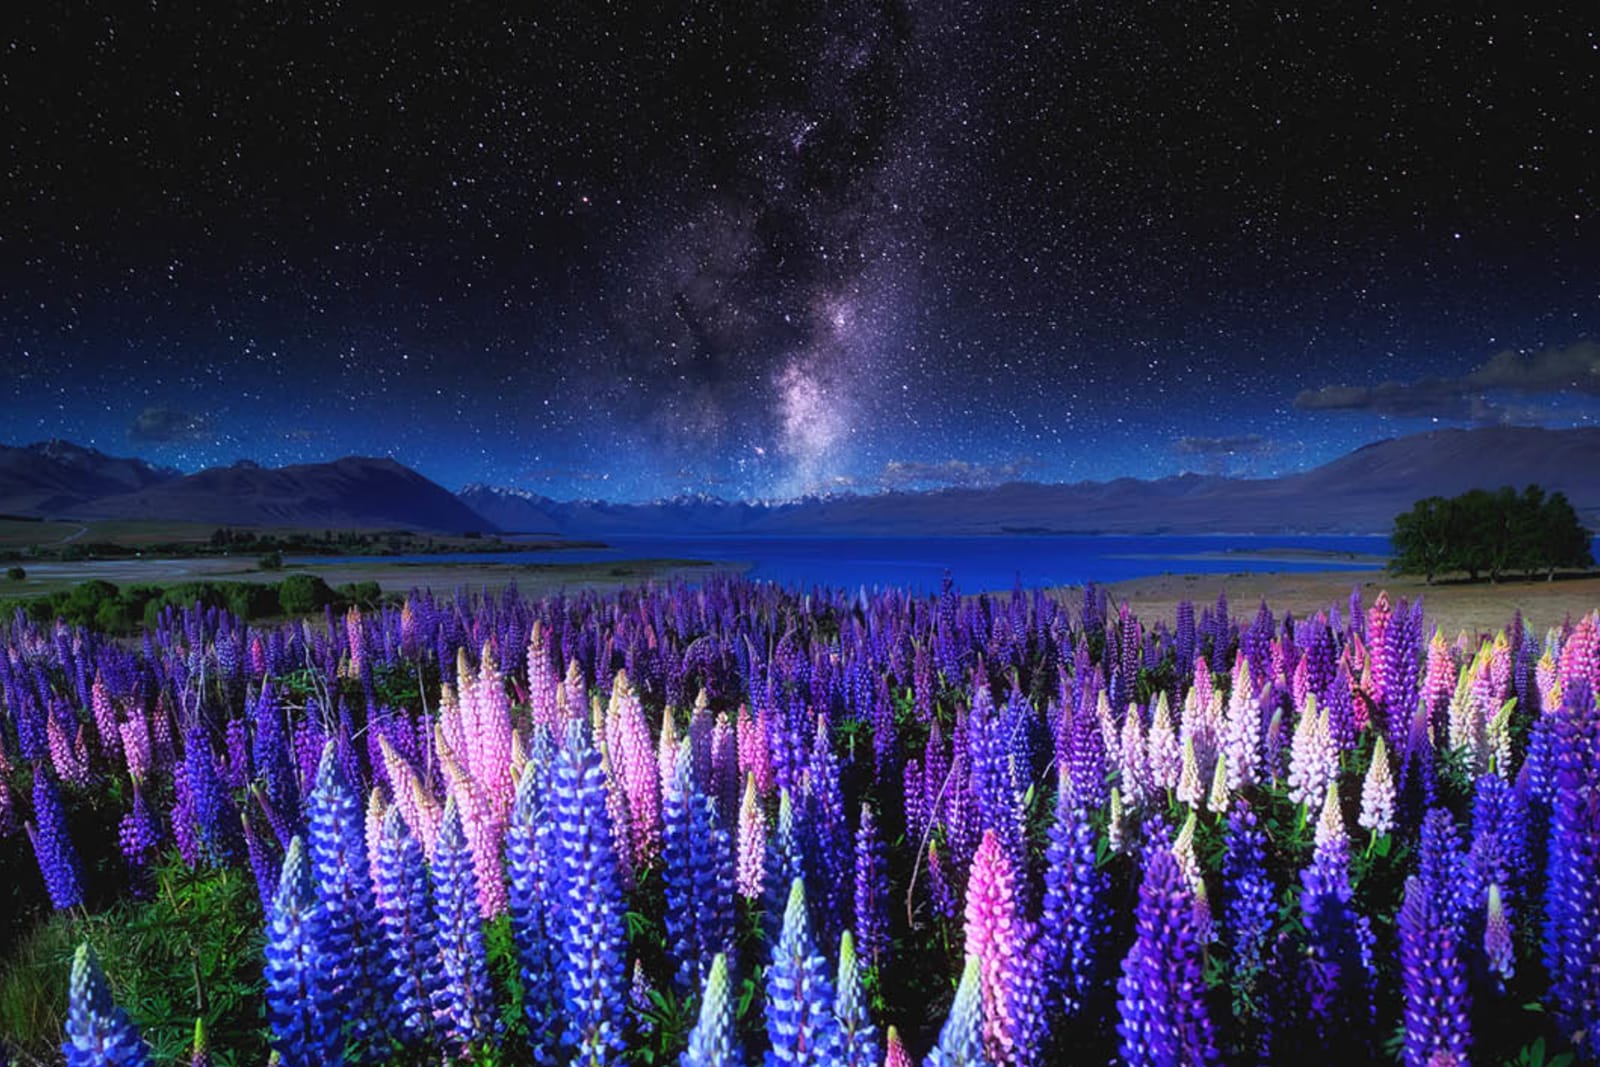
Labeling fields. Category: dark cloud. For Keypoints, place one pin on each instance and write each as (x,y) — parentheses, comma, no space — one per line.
(166,426)
(912,474)
(1574,369)
(1250,444)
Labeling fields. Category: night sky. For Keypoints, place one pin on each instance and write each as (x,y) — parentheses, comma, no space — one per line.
(765,248)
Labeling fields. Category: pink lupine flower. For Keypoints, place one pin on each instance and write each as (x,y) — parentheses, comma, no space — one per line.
(1580,655)
(628,744)
(894,1051)
(1000,938)
(67,753)
(1165,756)
(755,757)
(542,680)
(136,744)
(105,718)
(750,877)
(1378,617)
(1241,730)
(1132,766)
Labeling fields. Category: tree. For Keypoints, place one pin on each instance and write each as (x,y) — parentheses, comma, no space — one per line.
(1496,533)
(1421,539)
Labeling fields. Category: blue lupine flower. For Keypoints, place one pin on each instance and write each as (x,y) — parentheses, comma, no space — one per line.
(712,1042)
(52,844)
(1074,915)
(800,1000)
(871,892)
(533,902)
(1161,994)
(858,1038)
(1433,979)
(589,926)
(697,857)
(98,1032)
(406,910)
(357,972)
(464,1002)
(961,1040)
(1249,907)
(303,1013)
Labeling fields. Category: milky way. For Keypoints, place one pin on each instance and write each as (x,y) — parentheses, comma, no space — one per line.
(759,249)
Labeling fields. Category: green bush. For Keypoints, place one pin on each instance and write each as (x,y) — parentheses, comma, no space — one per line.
(302,594)
(272,561)
(16,574)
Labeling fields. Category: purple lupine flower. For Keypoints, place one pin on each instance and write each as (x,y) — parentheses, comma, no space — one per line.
(406,912)
(534,900)
(783,865)
(52,844)
(463,1002)
(274,762)
(589,924)
(211,811)
(138,834)
(1086,763)
(1442,866)
(302,1012)
(1074,912)
(1338,967)
(1433,981)
(266,861)
(871,892)
(1499,851)
(356,970)
(1497,944)
(858,1042)
(98,1032)
(1572,887)
(1161,994)
(801,1025)
(712,1042)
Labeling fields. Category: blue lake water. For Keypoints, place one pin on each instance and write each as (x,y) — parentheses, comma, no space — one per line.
(975,563)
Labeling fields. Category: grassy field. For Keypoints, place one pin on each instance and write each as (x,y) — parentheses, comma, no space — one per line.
(1453,606)
(20,533)
(442,577)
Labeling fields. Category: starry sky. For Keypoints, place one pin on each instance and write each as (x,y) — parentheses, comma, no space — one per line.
(761,248)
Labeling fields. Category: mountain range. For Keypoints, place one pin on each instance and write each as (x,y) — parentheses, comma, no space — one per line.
(1360,492)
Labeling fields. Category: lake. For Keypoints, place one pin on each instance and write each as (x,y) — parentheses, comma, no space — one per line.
(976,563)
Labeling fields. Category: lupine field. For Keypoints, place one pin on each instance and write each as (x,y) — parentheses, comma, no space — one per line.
(733,824)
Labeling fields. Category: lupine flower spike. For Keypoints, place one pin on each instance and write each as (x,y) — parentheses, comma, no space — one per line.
(98,1032)
(712,1042)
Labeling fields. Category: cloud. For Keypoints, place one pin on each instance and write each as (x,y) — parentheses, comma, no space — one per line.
(165,426)
(912,474)
(1249,444)
(1574,369)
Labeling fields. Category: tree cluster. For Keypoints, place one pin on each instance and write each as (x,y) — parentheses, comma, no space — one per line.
(1493,534)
